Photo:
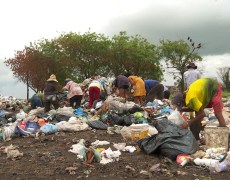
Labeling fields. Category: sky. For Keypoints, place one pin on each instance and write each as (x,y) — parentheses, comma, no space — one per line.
(205,21)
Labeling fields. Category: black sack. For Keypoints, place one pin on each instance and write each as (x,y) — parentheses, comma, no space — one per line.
(60,117)
(97,125)
(134,109)
(125,120)
(170,141)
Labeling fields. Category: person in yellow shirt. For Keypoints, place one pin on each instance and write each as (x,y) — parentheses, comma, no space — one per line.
(139,90)
(202,93)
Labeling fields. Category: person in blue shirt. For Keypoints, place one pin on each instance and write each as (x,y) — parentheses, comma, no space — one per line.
(154,90)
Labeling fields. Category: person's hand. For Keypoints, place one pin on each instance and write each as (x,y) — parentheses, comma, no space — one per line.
(184,125)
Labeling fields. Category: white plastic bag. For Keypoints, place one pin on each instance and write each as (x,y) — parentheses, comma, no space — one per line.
(21,115)
(176,117)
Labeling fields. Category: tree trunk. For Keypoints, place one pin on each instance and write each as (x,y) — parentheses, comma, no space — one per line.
(27,88)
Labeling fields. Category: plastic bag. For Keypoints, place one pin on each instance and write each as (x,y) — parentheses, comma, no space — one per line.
(21,115)
(8,132)
(66,126)
(49,129)
(97,125)
(171,140)
(26,129)
(126,133)
(176,118)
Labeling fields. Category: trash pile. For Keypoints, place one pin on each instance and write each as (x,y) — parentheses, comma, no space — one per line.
(154,128)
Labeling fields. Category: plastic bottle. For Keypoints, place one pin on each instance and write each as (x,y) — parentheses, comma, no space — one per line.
(223,166)
(206,162)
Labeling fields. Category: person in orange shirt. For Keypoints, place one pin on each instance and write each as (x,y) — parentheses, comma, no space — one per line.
(139,89)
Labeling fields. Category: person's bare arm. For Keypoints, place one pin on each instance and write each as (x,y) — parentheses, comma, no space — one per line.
(220,118)
(200,115)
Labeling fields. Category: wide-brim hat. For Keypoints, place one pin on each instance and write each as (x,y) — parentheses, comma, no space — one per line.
(178,100)
(192,65)
(52,78)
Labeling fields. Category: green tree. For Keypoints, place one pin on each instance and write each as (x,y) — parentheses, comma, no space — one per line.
(224,75)
(136,54)
(85,54)
(177,55)
(56,60)
(78,57)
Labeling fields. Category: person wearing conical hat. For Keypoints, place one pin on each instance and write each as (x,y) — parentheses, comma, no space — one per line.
(50,93)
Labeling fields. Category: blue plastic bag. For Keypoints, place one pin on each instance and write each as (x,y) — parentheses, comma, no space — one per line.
(78,111)
(49,129)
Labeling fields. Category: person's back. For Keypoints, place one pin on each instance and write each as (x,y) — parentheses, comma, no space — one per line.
(191,75)
(121,82)
(50,88)
(149,84)
(73,89)
(75,93)
(36,101)
(200,93)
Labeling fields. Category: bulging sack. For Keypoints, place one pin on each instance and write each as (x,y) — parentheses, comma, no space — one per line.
(49,129)
(8,132)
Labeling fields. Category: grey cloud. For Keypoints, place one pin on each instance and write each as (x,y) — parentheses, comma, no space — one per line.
(205,23)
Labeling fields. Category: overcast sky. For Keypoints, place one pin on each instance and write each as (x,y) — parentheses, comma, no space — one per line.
(205,21)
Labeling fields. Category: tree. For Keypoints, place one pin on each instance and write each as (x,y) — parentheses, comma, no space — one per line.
(24,66)
(136,54)
(33,65)
(224,75)
(178,54)
(85,54)
(78,57)
(57,63)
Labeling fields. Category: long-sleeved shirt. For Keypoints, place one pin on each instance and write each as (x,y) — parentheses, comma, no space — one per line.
(190,76)
(73,89)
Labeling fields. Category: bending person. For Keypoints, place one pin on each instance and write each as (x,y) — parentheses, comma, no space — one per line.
(139,89)
(203,93)
(122,84)
(154,90)
(75,93)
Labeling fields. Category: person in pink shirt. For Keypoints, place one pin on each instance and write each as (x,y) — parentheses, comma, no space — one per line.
(75,93)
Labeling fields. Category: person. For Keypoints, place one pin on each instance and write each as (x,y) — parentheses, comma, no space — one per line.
(203,93)
(75,93)
(50,93)
(166,92)
(121,83)
(139,89)
(37,100)
(154,90)
(95,90)
(191,74)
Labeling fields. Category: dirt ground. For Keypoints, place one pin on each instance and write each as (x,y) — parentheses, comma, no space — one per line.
(48,157)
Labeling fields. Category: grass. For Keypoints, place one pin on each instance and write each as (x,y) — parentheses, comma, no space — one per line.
(225,94)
